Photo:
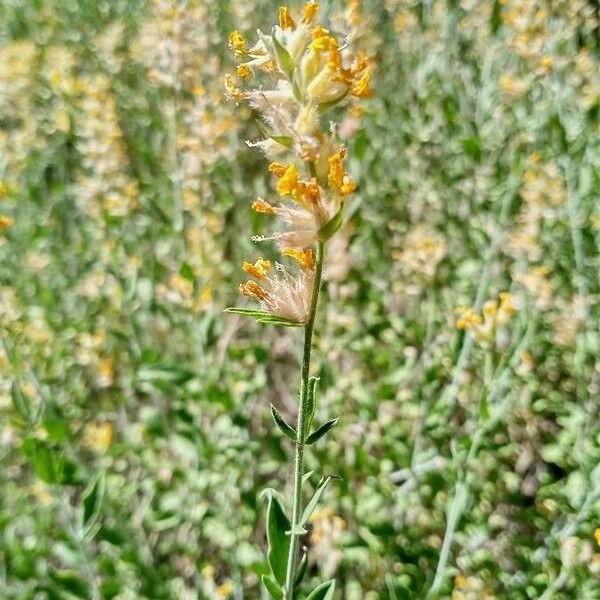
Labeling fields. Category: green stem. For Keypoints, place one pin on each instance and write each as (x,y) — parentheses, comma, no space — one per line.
(300,426)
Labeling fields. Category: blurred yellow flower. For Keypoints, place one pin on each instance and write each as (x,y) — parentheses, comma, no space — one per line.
(97,436)
(494,314)
(224,590)
(5,221)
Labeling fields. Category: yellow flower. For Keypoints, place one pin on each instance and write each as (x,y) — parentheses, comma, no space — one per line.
(507,308)
(597,536)
(288,296)
(243,71)
(224,590)
(490,309)
(252,290)
(313,192)
(321,39)
(494,314)
(285,20)
(337,179)
(512,87)
(5,222)
(263,207)
(208,572)
(288,182)
(467,318)
(303,257)
(97,436)
(362,88)
(309,12)
(259,269)
(546,64)
(40,492)
(277,169)
(237,43)
(105,374)
(232,92)
(336,169)
(334,60)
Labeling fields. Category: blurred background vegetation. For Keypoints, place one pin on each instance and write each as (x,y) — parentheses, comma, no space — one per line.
(134,423)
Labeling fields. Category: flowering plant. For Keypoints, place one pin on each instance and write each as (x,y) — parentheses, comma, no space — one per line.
(309,72)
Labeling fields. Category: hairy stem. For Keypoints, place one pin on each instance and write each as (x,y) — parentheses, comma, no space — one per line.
(300,425)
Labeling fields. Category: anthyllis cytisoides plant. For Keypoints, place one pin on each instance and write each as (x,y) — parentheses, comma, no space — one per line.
(306,72)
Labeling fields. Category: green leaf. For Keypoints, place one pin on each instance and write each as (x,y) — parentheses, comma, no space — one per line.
(327,230)
(472,147)
(164,373)
(246,312)
(19,401)
(279,542)
(306,476)
(284,427)
(310,404)
(47,463)
(91,500)
(284,140)
(70,581)
(312,503)
(315,436)
(56,428)
(271,320)
(323,591)
(302,569)
(286,64)
(296,89)
(262,316)
(272,587)
(187,272)
(484,410)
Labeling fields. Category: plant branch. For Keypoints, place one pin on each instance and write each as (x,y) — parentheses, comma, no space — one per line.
(301,424)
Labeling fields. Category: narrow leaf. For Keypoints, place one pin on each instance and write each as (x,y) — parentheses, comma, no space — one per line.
(284,427)
(306,476)
(272,587)
(286,64)
(327,230)
(70,583)
(296,89)
(484,410)
(92,498)
(279,542)
(262,316)
(271,320)
(312,503)
(315,436)
(284,140)
(323,591)
(310,404)
(48,464)
(18,400)
(248,312)
(302,569)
